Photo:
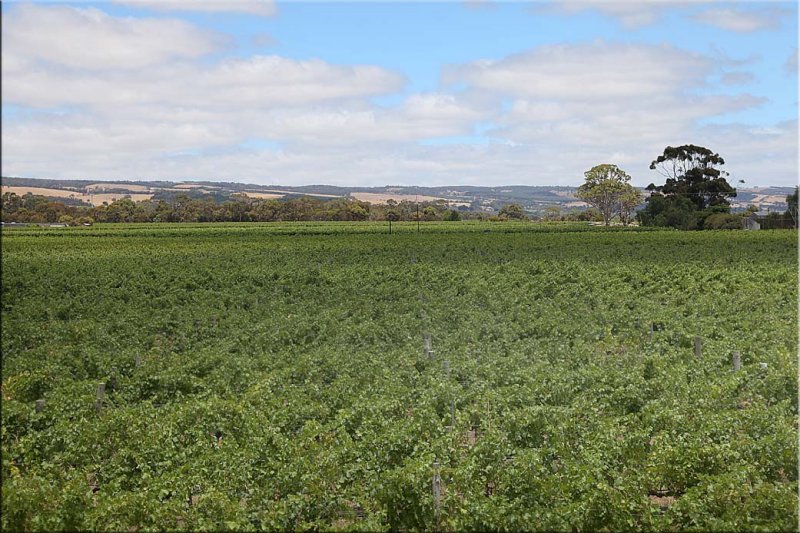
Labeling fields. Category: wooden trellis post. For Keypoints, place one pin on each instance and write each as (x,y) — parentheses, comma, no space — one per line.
(39,406)
(737,361)
(428,345)
(101,392)
(437,490)
(698,347)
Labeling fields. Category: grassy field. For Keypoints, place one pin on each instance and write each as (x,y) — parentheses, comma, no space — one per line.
(332,376)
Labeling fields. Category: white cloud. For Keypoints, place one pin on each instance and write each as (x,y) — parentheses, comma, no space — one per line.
(577,105)
(749,154)
(255,81)
(583,125)
(630,14)
(587,72)
(760,156)
(263,8)
(90,39)
(421,116)
(741,20)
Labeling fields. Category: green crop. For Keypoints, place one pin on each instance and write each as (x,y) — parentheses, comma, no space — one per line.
(282,380)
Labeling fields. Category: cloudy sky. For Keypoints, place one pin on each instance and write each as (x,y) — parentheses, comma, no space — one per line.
(378,93)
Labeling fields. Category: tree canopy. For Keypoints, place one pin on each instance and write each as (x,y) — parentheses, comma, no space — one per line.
(607,189)
(691,171)
(512,211)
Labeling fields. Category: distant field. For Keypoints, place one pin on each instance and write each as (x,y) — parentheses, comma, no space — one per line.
(126,186)
(58,193)
(325,376)
(382,198)
(264,195)
(318,195)
(94,199)
(98,199)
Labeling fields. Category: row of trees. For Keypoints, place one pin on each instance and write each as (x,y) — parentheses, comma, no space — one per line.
(695,189)
(182,208)
(695,194)
(38,209)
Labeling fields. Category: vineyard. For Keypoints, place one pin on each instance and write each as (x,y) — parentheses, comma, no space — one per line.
(469,376)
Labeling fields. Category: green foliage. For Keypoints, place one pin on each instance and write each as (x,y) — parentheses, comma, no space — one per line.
(283,384)
(198,207)
(629,200)
(513,212)
(694,191)
(606,188)
(723,221)
(452,216)
(691,172)
(670,212)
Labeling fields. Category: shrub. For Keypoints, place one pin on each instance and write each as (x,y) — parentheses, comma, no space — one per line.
(723,221)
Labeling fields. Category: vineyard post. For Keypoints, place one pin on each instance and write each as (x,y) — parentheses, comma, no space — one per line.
(737,361)
(698,347)
(137,362)
(428,345)
(101,392)
(446,364)
(437,491)
(452,412)
(651,330)
(39,406)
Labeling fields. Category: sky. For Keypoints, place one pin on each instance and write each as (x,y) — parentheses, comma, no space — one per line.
(469,92)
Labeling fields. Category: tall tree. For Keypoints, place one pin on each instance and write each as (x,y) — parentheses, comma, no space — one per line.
(628,200)
(603,189)
(691,171)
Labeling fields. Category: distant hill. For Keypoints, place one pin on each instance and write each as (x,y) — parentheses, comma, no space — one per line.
(533,198)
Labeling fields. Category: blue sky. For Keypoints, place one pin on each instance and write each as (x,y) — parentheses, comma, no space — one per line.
(379,93)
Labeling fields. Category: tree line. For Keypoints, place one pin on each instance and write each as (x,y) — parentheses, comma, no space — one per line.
(31,208)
